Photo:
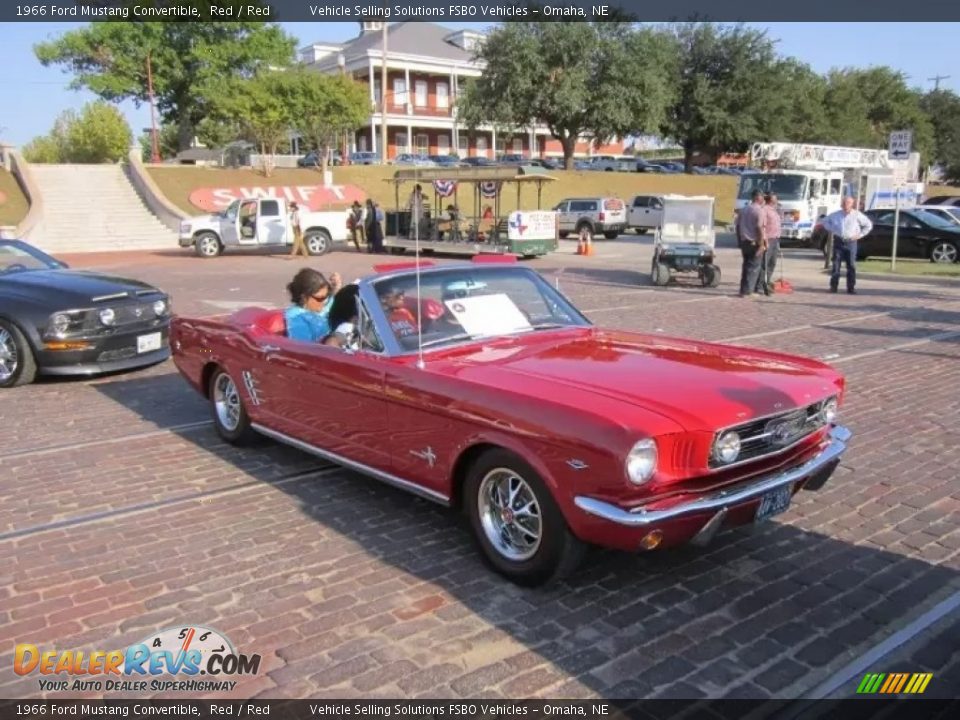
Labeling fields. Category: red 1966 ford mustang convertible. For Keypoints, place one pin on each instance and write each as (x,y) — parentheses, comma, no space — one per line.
(487,390)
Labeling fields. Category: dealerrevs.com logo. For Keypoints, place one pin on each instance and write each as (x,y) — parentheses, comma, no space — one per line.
(178,652)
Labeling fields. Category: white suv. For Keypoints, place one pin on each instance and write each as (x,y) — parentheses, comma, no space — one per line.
(603,216)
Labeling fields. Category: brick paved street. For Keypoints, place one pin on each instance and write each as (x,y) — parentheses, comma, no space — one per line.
(122,513)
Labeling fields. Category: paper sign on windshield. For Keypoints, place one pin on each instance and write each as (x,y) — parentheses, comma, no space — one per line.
(488,315)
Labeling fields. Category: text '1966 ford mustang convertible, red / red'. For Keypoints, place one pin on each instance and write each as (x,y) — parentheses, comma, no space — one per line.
(483,388)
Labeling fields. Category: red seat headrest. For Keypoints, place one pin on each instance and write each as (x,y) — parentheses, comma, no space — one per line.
(429,308)
(272,321)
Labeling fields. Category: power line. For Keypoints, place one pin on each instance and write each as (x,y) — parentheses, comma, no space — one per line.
(936,80)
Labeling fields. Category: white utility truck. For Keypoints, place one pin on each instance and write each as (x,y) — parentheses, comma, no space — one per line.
(263,222)
(810,181)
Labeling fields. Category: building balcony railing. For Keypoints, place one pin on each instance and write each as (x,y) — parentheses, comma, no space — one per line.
(397,104)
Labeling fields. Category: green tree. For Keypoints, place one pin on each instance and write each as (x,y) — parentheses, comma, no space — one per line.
(191,61)
(725,79)
(570,77)
(166,139)
(325,107)
(942,108)
(863,106)
(97,134)
(264,107)
(794,109)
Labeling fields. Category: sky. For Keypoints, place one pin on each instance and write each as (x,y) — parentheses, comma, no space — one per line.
(32,96)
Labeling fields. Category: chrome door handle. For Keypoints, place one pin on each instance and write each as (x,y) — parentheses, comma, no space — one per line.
(271,348)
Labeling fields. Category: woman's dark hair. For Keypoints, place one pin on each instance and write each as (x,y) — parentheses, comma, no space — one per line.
(306,282)
(344,307)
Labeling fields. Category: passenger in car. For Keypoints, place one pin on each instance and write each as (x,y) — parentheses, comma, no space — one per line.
(307,318)
(343,319)
(402,321)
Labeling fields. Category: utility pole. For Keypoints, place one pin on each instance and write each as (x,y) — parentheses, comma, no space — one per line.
(383,97)
(936,81)
(155,140)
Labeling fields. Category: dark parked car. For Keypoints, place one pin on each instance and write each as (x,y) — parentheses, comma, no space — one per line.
(921,235)
(312,159)
(445,160)
(364,157)
(57,321)
(478,162)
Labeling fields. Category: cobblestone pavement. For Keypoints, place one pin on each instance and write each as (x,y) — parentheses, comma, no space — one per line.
(121,513)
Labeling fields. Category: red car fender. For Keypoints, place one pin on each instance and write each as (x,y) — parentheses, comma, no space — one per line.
(561,495)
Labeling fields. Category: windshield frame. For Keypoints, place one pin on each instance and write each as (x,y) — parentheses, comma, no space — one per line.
(392,346)
(782,195)
(48,262)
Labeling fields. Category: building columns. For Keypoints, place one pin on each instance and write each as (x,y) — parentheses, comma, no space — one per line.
(493,141)
(409,148)
(407,96)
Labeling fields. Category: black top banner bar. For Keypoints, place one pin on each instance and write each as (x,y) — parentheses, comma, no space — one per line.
(489,11)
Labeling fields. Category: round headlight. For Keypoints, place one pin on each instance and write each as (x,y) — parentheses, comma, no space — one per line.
(107,316)
(159,308)
(59,323)
(642,461)
(829,411)
(727,447)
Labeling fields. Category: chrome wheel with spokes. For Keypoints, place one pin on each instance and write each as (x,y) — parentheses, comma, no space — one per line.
(229,414)
(9,357)
(515,519)
(226,400)
(510,514)
(17,364)
(944,253)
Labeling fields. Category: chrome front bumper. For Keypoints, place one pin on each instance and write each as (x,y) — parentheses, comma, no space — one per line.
(722,500)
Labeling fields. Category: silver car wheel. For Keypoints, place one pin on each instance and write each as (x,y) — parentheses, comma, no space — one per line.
(945,253)
(510,514)
(9,359)
(226,400)
(318,243)
(209,246)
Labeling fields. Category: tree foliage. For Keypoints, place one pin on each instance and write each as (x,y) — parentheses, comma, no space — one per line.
(569,76)
(942,107)
(863,106)
(98,133)
(264,107)
(190,62)
(325,107)
(726,80)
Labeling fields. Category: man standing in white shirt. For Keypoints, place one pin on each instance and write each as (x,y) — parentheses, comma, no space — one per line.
(847,226)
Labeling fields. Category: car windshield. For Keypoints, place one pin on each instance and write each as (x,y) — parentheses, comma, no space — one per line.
(786,187)
(16,256)
(462,304)
(934,220)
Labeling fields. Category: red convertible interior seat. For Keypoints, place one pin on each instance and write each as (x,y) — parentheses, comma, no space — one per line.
(429,309)
(272,322)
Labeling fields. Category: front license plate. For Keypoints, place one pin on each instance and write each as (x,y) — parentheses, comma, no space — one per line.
(148,343)
(774,503)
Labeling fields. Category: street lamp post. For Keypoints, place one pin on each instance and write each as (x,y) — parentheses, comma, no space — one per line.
(154,138)
(342,64)
(383,96)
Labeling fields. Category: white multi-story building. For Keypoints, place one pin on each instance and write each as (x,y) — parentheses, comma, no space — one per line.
(426,67)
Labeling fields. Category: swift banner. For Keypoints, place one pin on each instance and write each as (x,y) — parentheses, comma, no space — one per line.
(312,197)
(474,11)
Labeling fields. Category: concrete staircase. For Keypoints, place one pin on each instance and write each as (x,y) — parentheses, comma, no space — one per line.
(94,208)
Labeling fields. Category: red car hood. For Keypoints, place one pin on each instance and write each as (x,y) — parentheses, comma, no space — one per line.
(701,386)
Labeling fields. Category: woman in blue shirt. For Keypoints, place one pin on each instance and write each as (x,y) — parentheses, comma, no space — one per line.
(310,294)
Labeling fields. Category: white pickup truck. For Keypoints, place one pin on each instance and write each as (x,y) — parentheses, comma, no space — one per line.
(260,223)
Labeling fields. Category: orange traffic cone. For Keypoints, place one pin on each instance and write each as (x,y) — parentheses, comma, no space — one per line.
(781,285)
(588,244)
(581,246)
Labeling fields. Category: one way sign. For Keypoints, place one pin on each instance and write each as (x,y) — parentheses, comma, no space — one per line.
(901,142)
